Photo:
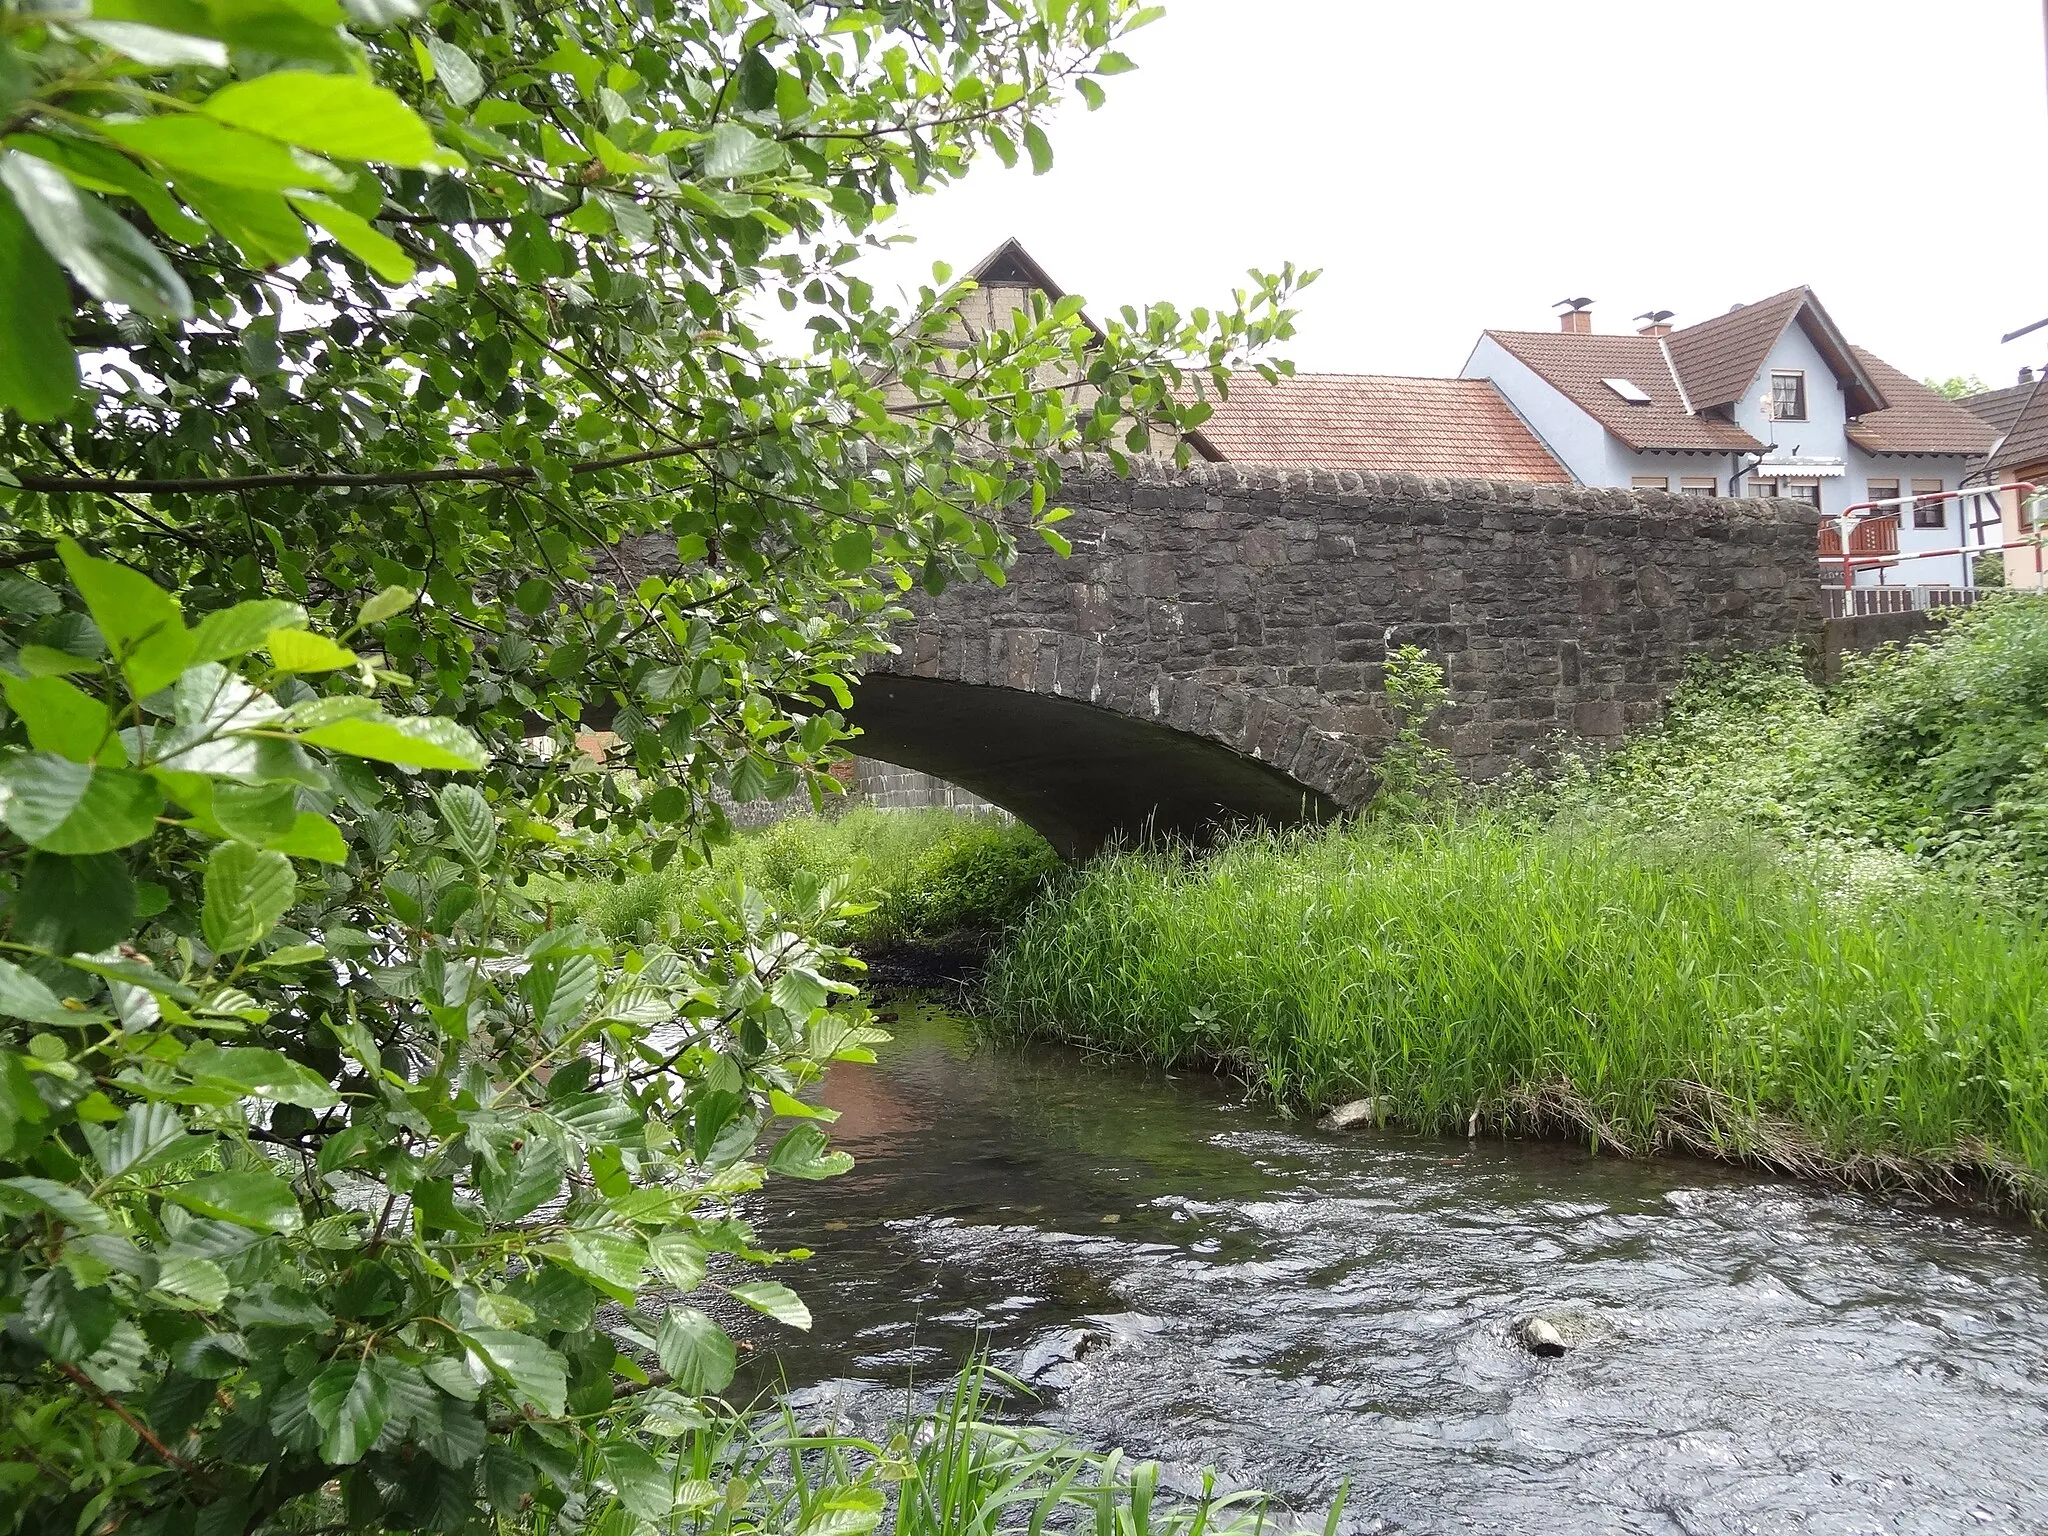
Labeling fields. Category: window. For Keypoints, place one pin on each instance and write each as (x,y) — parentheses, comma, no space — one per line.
(1650,483)
(1928,513)
(1629,390)
(1698,485)
(1763,488)
(1807,491)
(1788,395)
(1882,490)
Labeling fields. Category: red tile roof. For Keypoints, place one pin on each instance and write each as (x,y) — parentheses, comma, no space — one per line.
(1915,419)
(1577,366)
(1716,362)
(1382,423)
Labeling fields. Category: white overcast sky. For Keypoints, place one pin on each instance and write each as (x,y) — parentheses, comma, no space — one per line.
(1457,164)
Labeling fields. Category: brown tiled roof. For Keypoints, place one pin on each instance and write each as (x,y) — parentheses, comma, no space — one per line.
(2000,407)
(1719,358)
(1915,419)
(1576,366)
(1375,422)
(2025,445)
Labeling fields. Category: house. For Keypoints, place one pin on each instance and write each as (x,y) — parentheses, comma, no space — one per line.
(1428,426)
(1769,399)
(2019,457)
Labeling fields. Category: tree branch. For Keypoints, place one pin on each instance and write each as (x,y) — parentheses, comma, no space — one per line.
(203,485)
(140,1428)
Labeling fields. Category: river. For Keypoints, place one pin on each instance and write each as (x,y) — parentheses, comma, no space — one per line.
(1204,1282)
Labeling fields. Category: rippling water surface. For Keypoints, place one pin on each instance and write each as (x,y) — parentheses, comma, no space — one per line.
(1203,1282)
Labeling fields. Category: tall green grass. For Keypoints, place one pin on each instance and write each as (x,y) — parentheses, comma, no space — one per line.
(926,876)
(954,1470)
(1709,990)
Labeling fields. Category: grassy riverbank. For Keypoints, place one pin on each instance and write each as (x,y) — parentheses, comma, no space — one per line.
(928,877)
(1791,925)
(1700,991)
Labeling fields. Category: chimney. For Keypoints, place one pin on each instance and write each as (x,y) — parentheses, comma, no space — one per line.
(2026,375)
(1575,316)
(1658,323)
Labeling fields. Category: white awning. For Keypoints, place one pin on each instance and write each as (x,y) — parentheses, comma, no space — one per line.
(1800,469)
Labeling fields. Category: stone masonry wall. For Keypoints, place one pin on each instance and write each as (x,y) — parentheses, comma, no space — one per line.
(890,788)
(1255,607)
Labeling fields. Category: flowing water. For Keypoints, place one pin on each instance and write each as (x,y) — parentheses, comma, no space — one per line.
(1201,1281)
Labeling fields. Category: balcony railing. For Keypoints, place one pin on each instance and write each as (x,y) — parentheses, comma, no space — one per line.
(1857,602)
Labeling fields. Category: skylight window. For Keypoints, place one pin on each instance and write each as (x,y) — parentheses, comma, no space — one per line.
(1632,393)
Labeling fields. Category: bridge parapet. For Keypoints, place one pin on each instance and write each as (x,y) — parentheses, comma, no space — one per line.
(1248,613)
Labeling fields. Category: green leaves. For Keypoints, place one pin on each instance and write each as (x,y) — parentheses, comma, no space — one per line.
(415,741)
(59,1201)
(255,1072)
(642,1483)
(142,623)
(611,1261)
(68,904)
(69,1320)
(804,1154)
(350,1402)
(202,153)
(301,650)
(536,1375)
(378,251)
(23,996)
(260,1201)
(387,604)
(146,1133)
(38,370)
(695,1351)
(62,806)
(340,115)
(456,70)
(735,150)
(61,719)
(238,630)
(1039,147)
(776,1300)
(472,826)
(519,1112)
(95,245)
(247,891)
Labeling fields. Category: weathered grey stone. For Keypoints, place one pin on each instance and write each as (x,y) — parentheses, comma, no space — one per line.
(1250,608)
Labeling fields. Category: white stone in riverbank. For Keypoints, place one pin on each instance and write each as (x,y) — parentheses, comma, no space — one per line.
(1365,1111)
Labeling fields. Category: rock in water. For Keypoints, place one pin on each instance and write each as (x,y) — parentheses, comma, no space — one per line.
(1367,1111)
(1540,1337)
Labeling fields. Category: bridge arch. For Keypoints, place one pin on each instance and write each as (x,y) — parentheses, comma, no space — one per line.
(1151,755)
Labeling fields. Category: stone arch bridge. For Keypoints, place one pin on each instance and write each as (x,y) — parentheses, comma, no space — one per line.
(1211,652)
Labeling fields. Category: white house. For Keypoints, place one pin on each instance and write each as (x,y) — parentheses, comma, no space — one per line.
(1769,399)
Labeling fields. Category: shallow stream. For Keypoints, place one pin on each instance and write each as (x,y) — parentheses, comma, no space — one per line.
(1201,1281)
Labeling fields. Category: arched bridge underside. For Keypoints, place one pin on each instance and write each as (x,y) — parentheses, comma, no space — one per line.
(1213,651)
(1081,774)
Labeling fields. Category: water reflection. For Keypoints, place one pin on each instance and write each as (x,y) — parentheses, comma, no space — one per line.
(1203,1282)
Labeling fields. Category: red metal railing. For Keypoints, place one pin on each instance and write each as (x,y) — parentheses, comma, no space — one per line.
(1872,529)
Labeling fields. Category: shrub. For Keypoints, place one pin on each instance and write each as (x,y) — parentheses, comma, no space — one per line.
(1934,750)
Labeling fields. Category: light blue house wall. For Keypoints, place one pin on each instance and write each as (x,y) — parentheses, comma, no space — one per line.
(1596,457)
